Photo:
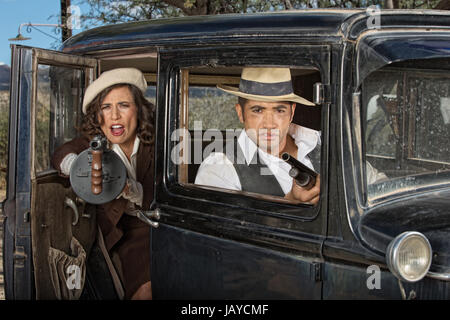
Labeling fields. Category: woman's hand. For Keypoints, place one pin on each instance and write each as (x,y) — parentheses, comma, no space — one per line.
(133,191)
(66,163)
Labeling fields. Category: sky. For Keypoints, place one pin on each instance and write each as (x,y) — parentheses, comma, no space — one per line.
(15,12)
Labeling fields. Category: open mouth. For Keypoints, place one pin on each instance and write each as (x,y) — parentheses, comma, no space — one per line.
(269,136)
(117,130)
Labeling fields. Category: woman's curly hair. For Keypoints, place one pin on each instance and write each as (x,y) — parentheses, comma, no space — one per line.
(90,125)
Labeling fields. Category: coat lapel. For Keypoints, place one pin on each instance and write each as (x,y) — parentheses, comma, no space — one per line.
(143,161)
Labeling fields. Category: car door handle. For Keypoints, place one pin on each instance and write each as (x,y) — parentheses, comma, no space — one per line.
(71,204)
(149,216)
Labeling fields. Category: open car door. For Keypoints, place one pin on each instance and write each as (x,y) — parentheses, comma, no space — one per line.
(42,213)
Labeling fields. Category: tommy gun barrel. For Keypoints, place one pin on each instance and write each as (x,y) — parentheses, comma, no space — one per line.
(98,145)
(303,176)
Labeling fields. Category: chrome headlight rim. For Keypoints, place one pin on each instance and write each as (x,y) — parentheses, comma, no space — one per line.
(392,255)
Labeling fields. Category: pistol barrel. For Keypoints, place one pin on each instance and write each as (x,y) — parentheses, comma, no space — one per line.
(303,176)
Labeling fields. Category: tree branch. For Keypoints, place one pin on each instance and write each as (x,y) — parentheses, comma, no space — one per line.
(443,5)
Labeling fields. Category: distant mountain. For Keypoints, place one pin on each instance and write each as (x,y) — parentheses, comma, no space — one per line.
(4,77)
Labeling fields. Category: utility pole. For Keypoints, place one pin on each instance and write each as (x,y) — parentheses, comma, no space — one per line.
(66,32)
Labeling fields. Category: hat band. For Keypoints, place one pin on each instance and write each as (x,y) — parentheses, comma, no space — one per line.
(265,89)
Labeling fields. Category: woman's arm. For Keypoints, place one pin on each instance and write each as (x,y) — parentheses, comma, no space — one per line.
(75,146)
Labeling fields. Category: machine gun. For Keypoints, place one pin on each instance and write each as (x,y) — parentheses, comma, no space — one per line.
(98,145)
(303,176)
(98,175)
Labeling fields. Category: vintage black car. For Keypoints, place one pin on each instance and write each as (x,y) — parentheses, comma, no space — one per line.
(381,84)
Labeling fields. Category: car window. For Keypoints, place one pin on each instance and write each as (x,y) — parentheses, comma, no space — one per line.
(407,129)
(209,127)
(58,110)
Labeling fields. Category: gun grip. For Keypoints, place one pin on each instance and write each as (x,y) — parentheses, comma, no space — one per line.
(96,172)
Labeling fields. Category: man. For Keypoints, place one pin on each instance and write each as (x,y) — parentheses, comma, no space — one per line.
(266,107)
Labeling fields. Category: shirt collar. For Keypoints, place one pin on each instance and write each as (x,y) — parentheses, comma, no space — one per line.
(118,150)
(247,146)
(306,140)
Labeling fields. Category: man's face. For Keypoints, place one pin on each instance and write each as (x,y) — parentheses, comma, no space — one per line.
(267,123)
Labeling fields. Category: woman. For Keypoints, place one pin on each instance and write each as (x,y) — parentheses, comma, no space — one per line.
(114,106)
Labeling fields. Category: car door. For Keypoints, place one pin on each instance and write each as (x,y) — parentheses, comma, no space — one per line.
(211,243)
(46,93)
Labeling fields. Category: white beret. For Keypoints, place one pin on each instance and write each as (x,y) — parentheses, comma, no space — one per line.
(115,76)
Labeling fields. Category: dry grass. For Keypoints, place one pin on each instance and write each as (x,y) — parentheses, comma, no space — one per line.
(2,289)
(4,100)
(4,107)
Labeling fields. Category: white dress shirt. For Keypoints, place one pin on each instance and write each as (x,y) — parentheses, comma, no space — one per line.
(218,171)
(131,166)
(135,191)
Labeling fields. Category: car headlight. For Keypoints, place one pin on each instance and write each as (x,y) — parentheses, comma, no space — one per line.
(408,256)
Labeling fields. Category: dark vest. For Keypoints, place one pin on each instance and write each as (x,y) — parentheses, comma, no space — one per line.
(257,177)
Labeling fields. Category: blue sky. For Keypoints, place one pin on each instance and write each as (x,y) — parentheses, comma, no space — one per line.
(15,12)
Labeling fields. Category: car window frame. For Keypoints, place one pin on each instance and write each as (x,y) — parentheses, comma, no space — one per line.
(89,68)
(170,74)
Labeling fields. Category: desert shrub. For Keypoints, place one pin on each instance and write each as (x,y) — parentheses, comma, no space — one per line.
(4,119)
(215,110)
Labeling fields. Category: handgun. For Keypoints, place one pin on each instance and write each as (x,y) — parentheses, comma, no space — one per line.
(303,176)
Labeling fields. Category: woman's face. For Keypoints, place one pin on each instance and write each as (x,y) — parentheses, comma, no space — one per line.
(119,117)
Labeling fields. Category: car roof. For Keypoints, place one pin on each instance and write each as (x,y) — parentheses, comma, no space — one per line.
(198,28)
(319,24)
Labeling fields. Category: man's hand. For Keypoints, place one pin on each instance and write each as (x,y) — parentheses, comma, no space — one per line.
(305,195)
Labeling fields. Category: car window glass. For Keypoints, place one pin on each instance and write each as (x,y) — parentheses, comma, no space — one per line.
(212,107)
(57,110)
(150,93)
(209,125)
(407,129)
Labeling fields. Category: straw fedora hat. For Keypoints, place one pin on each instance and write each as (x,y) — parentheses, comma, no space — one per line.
(266,84)
(115,76)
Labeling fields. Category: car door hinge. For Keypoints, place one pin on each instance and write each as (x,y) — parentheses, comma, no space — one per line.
(26,217)
(316,271)
(20,256)
(321,93)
